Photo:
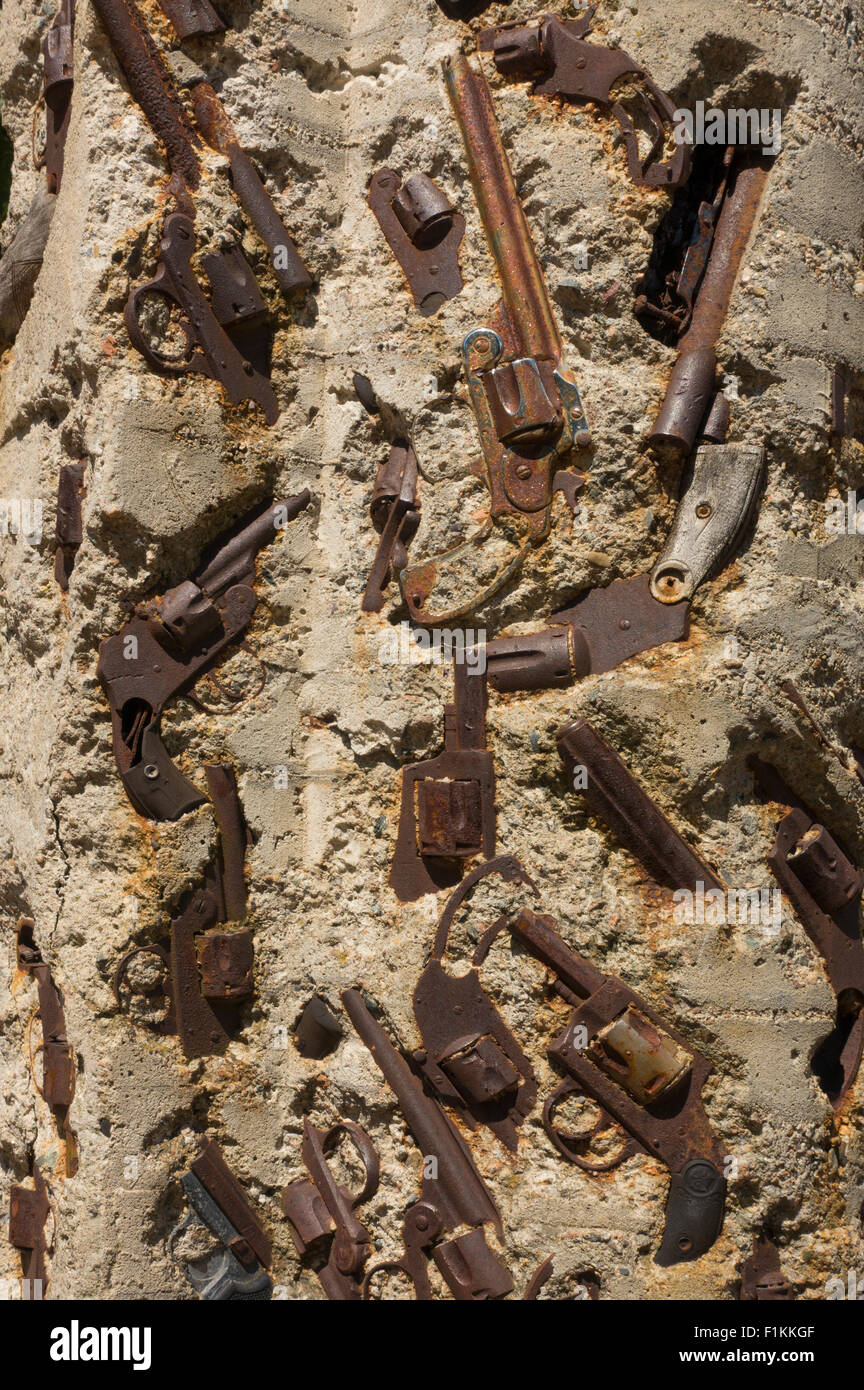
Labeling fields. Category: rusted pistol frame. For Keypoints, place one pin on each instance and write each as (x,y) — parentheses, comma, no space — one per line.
(192,19)
(524,397)
(614,796)
(608,626)
(468,1055)
(58,81)
(213,122)
(58,1055)
(395,516)
(554,54)
(29,1209)
(691,389)
(456,1196)
(423,231)
(166,646)
(318,1208)
(237,1272)
(208,973)
(762,1279)
(642,1075)
(68,531)
(824,887)
(447,810)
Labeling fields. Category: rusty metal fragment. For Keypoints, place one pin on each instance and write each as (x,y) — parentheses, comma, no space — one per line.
(206,973)
(318,1030)
(641,1074)
(285,260)
(614,796)
(206,348)
(447,813)
(395,515)
(29,1210)
(468,1053)
(553,53)
(58,1055)
(164,649)
(319,1208)
(454,1197)
(237,1271)
(762,1279)
(192,19)
(57,52)
(525,398)
(690,392)
(423,231)
(824,887)
(68,530)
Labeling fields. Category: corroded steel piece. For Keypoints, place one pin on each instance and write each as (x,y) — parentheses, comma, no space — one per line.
(468,1053)
(690,391)
(455,1196)
(554,54)
(395,515)
(525,399)
(614,796)
(206,348)
(642,1075)
(29,1210)
(58,1056)
(68,530)
(762,1279)
(164,649)
(237,1271)
(57,51)
(192,18)
(824,887)
(447,812)
(423,231)
(285,260)
(319,1207)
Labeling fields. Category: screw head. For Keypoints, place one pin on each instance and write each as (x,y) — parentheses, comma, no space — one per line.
(523,472)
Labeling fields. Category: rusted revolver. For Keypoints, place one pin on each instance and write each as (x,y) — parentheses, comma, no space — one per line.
(237,1271)
(395,515)
(525,399)
(206,972)
(452,1195)
(554,53)
(164,649)
(641,1074)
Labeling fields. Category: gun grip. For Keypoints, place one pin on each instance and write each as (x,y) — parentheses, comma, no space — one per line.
(156,788)
(694,1212)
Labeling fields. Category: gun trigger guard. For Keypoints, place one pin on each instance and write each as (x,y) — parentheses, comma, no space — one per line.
(563,1141)
(237,701)
(417,1275)
(120,977)
(187,359)
(368,1157)
(508,868)
(418,581)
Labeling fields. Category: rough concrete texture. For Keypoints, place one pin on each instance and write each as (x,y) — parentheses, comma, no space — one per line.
(321,97)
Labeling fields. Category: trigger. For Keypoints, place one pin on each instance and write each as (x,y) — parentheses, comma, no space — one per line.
(571,486)
(155,787)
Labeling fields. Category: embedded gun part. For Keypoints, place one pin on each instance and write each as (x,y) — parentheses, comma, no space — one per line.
(319,1207)
(691,387)
(29,1210)
(58,1055)
(554,54)
(166,646)
(525,399)
(456,1196)
(205,973)
(641,1074)
(614,796)
(57,51)
(447,810)
(237,1272)
(192,19)
(206,346)
(468,1055)
(317,1031)
(824,887)
(68,530)
(213,122)
(762,1279)
(395,516)
(423,231)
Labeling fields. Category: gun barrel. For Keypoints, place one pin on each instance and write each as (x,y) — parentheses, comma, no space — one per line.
(538,934)
(458,1185)
(230,565)
(507,233)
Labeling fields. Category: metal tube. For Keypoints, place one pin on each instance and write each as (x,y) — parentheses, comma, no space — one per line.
(535,330)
